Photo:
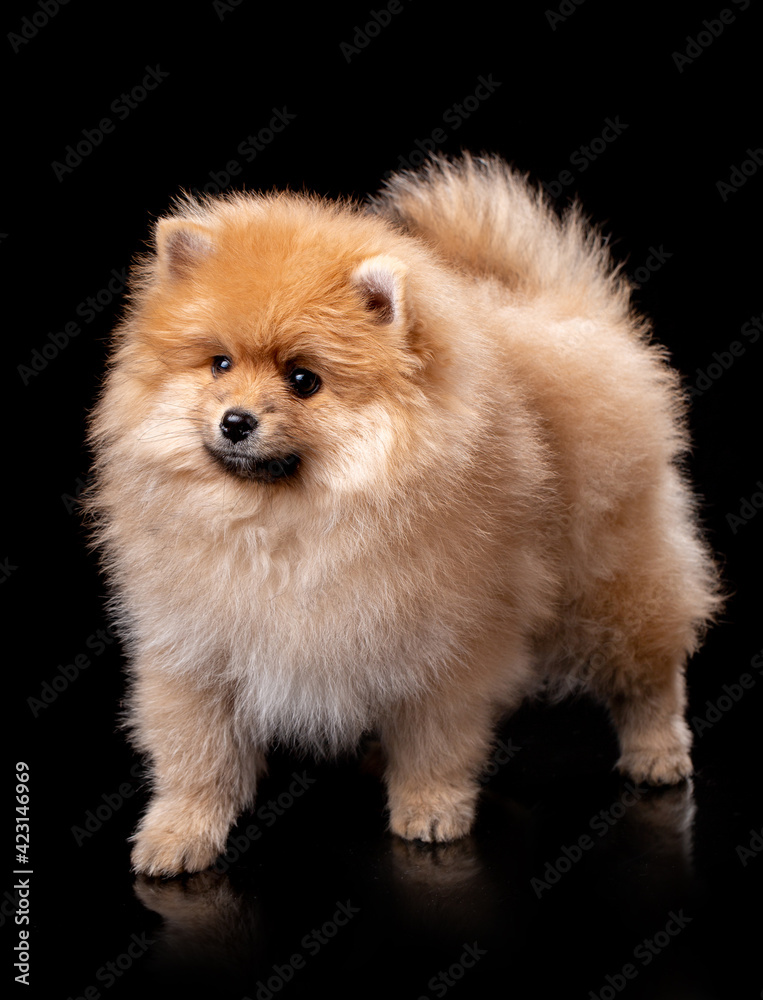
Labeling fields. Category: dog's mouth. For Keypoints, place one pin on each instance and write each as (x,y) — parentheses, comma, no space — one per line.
(262,470)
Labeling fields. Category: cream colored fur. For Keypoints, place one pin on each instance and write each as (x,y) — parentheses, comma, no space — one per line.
(489,496)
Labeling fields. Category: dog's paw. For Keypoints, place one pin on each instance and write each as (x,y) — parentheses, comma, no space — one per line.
(441,817)
(170,841)
(163,852)
(651,767)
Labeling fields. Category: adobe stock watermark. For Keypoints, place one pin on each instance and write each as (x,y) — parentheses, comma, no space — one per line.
(502,754)
(109,804)
(727,358)
(564,11)
(440,983)
(364,34)
(644,953)
(221,7)
(113,970)
(312,942)
(717,708)
(739,175)
(454,117)
(248,150)
(696,45)
(7,568)
(582,158)
(754,847)
(71,501)
(653,263)
(67,673)
(267,814)
(32,25)
(57,340)
(748,509)
(15,904)
(600,824)
(121,107)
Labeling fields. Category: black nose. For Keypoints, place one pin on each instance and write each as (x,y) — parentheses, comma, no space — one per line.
(237,425)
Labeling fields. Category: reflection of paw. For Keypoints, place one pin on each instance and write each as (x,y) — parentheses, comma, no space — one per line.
(434,816)
(652,767)
(179,899)
(442,866)
(176,839)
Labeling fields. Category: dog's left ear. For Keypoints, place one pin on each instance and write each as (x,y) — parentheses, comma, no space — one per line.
(381,281)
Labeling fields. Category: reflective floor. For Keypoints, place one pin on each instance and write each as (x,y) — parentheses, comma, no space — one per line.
(573,884)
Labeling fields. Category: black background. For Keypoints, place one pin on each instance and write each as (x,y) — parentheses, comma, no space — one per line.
(356,113)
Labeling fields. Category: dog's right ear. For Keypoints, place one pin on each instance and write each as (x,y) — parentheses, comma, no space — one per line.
(180,246)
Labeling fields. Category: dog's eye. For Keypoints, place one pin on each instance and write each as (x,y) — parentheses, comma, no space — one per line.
(221,363)
(304,382)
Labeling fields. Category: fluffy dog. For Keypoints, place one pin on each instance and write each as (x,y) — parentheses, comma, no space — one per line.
(388,468)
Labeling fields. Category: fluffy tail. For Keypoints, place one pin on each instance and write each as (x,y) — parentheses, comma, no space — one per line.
(487,219)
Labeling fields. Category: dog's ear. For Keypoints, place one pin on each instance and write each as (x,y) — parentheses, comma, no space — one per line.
(180,246)
(381,281)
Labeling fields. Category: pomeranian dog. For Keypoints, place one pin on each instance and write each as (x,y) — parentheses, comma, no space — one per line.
(388,468)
